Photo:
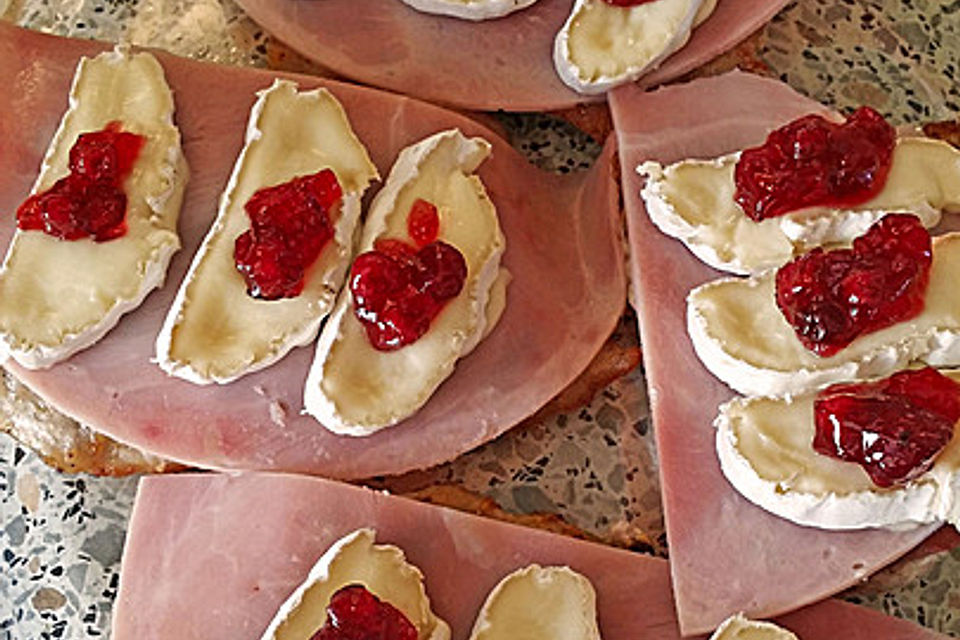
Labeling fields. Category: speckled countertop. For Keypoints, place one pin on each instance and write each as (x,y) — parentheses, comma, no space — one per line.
(61,536)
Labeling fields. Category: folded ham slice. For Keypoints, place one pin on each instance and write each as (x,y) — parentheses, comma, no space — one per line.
(496,64)
(213,556)
(565,255)
(726,554)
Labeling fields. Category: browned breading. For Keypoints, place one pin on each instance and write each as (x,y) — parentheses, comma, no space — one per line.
(614,361)
(948,131)
(65,444)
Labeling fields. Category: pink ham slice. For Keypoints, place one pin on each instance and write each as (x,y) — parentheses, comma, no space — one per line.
(563,236)
(496,64)
(726,554)
(213,556)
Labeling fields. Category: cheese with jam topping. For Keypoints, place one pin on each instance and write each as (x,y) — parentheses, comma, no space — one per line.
(601,46)
(740,628)
(741,336)
(354,389)
(57,296)
(551,603)
(355,559)
(766,452)
(215,331)
(692,201)
(470,9)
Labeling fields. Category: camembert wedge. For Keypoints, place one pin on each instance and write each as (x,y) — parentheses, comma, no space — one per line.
(470,9)
(354,389)
(692,201)
(743,339)
(601,45)
(355,559)
(215,331)
(739,627)
(765,450)
(548,603)
(60,296)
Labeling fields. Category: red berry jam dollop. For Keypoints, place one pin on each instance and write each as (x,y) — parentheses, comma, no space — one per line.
(289,227)
(89,202)
(893,428)
(832,297)
(398,288)
(813,162)
(356,614)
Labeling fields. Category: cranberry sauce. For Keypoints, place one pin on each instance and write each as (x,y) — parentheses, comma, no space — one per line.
(832,297)
(289,227)
(813,162)
(893,428)
(398,289)
(89,202)
(356,614)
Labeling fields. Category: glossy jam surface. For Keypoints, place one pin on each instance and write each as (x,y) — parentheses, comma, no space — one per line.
(894,428)
(89,202)
(289,227)
(356,614)
(832,297)
(423,223)
(398,290)
(814,162)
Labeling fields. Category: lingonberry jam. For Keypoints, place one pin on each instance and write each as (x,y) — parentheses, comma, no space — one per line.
(813,162)
(831,297)
(289,227)
(90,201)
(356,614)
(423,223)
(894,428)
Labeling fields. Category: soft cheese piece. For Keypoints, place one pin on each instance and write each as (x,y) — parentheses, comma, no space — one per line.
(692,200)
(539,603)
(214,331)
(60,296)
(601,45)
(355,559)
(354,389)
(765,450)
(741,336)
(740,628)
(470,9)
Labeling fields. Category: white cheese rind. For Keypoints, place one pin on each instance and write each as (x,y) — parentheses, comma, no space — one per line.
(692,201)
(58,297)
(352,388)
(470,9)
(355,559)
(214,331)
(739,627)
(553,603)
(601,46)
(742,338)
(766,453)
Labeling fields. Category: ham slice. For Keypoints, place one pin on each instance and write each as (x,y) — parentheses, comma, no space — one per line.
(726,554)
(496,64)
(213,556)
(565,255)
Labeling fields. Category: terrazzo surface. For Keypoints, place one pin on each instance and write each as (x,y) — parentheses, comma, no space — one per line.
(61,536)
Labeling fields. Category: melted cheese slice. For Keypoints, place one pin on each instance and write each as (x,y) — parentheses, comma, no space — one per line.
(740,628)
(693,201)
(215,332)
(539,603)
(742,337)
(765,450)
(355,559)
(601,46)
(354,389)
(470,9)
(60,296)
